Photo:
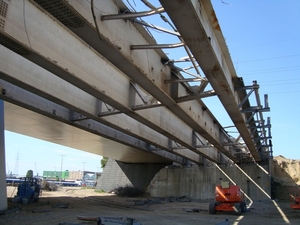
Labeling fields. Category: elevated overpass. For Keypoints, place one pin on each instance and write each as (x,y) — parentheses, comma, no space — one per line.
(90,75)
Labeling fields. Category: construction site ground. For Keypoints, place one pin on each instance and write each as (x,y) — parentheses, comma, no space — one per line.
(65,205)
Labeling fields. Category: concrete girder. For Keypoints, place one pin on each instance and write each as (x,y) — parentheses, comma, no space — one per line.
(23,73)
(53,66)
(35,103)
(162,123)
(143,67)
(201,32)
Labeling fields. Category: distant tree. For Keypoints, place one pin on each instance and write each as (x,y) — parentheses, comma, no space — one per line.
(29,174)
(103,161)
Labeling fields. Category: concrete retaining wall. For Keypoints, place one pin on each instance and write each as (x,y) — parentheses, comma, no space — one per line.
(196,182)
(199,182)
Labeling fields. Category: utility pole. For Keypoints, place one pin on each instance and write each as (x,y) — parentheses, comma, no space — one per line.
(16,169)
(36,169)
(62,156)
(83,170)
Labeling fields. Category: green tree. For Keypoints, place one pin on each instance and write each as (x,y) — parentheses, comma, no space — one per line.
(103,161)
(29,174)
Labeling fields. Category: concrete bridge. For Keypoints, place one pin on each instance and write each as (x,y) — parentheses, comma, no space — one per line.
(90,75)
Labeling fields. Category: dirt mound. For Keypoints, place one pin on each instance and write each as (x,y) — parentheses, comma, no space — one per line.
(286,171)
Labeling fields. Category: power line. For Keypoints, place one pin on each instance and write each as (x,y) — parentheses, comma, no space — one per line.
(272,81)
(281,84)
(279,57)
(266,43)
(276,71)
(283,92)
(273,70)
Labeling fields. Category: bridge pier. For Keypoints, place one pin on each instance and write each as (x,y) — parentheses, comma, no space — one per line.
(118,174)
(3,194)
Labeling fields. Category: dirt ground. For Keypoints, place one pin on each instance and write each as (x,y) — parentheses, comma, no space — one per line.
(63,207)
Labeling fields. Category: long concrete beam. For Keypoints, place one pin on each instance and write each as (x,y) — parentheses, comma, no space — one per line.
(144,68)
(103,89)
(25,74)
(26,99)
(161,124)
(21,72)
(199,28)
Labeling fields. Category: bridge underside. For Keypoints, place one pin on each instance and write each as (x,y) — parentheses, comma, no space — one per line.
(97,71)
(27,122)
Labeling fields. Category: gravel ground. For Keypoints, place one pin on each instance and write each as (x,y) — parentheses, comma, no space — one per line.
(65,205)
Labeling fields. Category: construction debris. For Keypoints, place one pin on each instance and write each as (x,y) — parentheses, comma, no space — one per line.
(126,221)
(110,220)
(40,210)
(88,218)
(49,185)
(178,199)
(159,200)
(139,202)
(194,210)
(67,223)
(62,206)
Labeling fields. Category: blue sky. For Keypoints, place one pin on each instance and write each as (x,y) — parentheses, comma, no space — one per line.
(263,38)
(38,155)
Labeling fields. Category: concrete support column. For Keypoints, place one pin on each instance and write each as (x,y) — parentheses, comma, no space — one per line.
(3,195)
(117,174)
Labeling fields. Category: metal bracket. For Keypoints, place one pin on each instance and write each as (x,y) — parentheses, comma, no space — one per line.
(184,80)
(141,22)
(110,111)
(148,101)
(255,109)
(139,92)
(129,15)
(156,46)
(204,94)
